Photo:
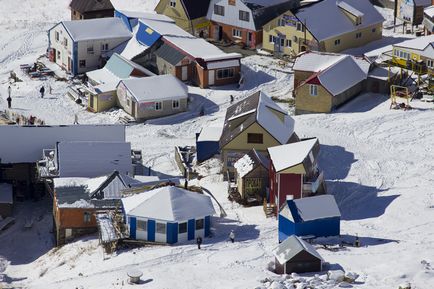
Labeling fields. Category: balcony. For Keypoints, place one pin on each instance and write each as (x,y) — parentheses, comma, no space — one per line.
(313,184)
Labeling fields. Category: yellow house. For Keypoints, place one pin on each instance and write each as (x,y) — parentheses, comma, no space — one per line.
(420,50)
(328,25)
(190,15)
(253,123)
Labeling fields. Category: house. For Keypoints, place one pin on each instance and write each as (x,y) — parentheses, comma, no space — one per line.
(252,177)
(328,25)
(168,215)
(317,216)
(89,9)
(21,148)
(174,51)
(294,171)
(152,97)
(316,89)
(207,142)
(190,15)
(85,159)
(416,54)
(76,200)
(428,19)
(6,200)
(411,11)
(256,122)
(294,255)
(78,46)
(241,21)
(102,83)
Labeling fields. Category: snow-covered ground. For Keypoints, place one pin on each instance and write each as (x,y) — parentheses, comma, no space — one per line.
(377,162)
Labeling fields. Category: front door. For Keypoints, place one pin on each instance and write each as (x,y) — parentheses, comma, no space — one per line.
(211,77)
(184,71)
(218,32)
(249,38)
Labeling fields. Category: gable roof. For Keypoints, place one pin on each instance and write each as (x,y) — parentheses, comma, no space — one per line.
(93,29)
(170,54)
(322,28)
(83,6)
(259,108)
(249,162)
(196,9)
(311,208)
(170,204)
(419,43)
(156,88)
(293,245)
(289,155)
(265,11)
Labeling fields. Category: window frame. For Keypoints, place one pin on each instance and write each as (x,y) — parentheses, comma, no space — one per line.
(158,105)
(219,10)
(226,73)
(177,106)
(142,228)
(87,217)
(201,222)
(337,42)
(172,3)
(82,63)
(251,138)
(244,16)
(179,227)
(237,33)
(159,228)
(313,89)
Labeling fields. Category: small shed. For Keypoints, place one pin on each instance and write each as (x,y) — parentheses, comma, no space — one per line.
(252,176)
(317,216)
(6,200)
(207,143)
(296,256)
(168,215)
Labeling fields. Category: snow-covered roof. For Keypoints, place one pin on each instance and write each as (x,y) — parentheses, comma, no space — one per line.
(322,28)
(293,245)
(170,204)
(244,165)
(133,47)
(429,11)
(314,62)
(93,29)
(210,133)
(289,155)
(418,43)
(312,208)
(6,194)
(156,88)
(92,159)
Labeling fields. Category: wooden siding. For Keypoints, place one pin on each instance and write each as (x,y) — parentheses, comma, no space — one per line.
(304,102)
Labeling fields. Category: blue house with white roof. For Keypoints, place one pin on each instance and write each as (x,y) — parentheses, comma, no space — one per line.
(317,216)
(168,215)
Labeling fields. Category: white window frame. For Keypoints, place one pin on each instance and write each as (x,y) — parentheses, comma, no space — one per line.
(162,225)
(57,35)
(172,3)
(229,74)
(430,63)
(288,43)
(271,38)
(359,35)
(104,47)
(244,15)
(337,42)
(300,27)
(90,50)
(158,107)
(142,228)
(177,102)
(313,89)
(237,33)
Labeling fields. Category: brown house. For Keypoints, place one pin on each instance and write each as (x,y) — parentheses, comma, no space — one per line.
(296,256)
(89,9)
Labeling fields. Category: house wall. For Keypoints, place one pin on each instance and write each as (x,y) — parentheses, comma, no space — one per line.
(286,228)
(288,184)
(300,76)
(102,102)
(348,94)
(319,228)
(246,190)
(63,53)
(228,34)
(75,15)
(304,102)
(231,14)
(303,262)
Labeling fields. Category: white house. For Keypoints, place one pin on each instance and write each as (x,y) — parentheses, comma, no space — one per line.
(77,46)
(168,215)
(152,97)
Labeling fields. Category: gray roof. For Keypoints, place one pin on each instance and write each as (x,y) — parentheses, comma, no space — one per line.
(291,247)
(83,6)
(100,28)
(314,208)
(322,28)
(264,14)
(170,54)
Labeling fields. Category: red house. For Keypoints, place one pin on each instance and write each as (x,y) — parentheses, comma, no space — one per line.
(294,172)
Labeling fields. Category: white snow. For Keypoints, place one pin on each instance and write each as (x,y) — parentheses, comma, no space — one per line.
(314,208)
(294,154)
(94,29)
(212,133)
(243,166)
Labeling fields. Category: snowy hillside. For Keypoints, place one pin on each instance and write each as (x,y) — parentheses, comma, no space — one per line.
(379,164)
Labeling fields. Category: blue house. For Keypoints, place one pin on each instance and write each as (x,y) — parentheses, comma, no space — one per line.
(168,215)
(317,216)
(207,143)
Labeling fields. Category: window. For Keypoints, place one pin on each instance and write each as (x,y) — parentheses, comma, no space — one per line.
(282,42)
(271,38)
(231,2)
(281,22)
(358,21)
(288,43)
(58,54)
(300,27)
(255,138)
(244,16)
(172,3)
(128,102)
(175,104)
(225,73)
(219,10)
(86,217)
(236,33)
(337,41)
(158,106)
(82,63)
(65,41)
(90,49)
(396,53)
(313,89)
(56,35)
(358,34)
(374,30)
(199,224)
(104,47)
(429,62)
(182,228)
(142,225)
(161,228)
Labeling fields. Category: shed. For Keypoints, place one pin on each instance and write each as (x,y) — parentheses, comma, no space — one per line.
(207,142)
(318,216)
(296,256)
(6,200)
(168,215)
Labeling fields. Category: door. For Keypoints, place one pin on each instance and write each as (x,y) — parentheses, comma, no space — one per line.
(249,38)
(282,44)
(218,32)
(133,109)
(184,70)
(211,77)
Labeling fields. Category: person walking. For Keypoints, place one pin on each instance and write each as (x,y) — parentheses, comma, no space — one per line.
(75,118)
(199,242)
(9,100)
(232,236)
(42,91)
(10,91)
(232,98)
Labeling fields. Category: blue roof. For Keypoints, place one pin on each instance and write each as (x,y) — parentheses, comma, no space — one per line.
(146,35)
(311,208)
